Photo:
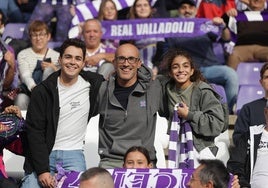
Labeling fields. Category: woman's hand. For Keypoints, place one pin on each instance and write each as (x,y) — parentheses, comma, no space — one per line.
(183,110)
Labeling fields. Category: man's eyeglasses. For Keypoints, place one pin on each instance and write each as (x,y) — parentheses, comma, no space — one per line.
(122,59)
(40,35)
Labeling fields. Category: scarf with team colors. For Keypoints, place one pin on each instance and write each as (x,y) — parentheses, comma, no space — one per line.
(90,9)
(243,16)
(58,2)
(180,153)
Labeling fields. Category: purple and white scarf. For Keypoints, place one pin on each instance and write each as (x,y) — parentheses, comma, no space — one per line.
(242,16)
(181,154)
(58,2)
(134,178)
(90,9)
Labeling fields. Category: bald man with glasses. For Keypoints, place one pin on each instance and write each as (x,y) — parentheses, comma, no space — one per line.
(128,105)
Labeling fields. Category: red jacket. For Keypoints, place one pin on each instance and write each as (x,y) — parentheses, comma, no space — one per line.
(215,8)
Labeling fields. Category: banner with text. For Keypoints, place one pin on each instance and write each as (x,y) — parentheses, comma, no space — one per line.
(158,27)
(138,178)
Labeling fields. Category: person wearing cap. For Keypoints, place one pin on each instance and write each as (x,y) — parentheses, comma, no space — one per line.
(201,50)
(187,8)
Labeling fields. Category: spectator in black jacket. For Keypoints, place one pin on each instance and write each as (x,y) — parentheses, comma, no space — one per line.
(248,140)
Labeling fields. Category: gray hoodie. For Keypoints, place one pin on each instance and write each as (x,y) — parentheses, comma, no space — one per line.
(120,128)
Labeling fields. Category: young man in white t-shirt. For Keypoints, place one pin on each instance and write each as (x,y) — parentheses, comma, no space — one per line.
(57,116)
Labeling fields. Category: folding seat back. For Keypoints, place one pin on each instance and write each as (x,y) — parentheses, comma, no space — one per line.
(248,93)
(14,30)
(249,73)
(54,45)
(220,90)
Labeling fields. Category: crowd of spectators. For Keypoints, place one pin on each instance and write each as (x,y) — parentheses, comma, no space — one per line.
(138,77)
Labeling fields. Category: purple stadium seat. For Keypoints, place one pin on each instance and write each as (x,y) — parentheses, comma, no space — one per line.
(14,30)
(248,93)
(220,90)
(249,73)
(53,45)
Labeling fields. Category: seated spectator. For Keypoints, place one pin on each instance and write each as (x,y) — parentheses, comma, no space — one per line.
(99,56)
(108,12)
(36,63)
(11,141)
(251,35)
(246,159)
(45,10)
(213,174)
(137,157)
(201,50)
(142,9)
(8,76)
(11,11)
(96,177)
(158,8)
(26,7)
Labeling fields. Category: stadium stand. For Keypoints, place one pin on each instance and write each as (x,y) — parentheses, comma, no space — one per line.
(14,30)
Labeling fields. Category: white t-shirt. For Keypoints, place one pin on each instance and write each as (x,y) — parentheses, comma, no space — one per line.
(73,118)
(260,171)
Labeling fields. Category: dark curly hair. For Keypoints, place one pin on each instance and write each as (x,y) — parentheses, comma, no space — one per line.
(171,54)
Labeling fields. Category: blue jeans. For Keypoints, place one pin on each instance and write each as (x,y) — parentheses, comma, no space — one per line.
(45,12)
(72,160)
(30,180)
(225,76)
(11,10)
